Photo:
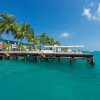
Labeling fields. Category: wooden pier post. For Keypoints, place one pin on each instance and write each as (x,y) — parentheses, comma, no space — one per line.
(58,58)
(54,59)
(54,56)
(16,57)
(25,58)
(92,61)
(3,57)
(38,58)
(46,59)
(71,60)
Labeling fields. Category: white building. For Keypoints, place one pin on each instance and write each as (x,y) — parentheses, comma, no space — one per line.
(62,49)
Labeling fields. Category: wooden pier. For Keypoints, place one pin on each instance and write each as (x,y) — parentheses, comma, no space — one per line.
(55,56)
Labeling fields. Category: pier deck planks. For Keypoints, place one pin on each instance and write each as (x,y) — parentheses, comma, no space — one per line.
(38,55)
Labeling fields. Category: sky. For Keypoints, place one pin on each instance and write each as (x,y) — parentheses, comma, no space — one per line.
(72,22)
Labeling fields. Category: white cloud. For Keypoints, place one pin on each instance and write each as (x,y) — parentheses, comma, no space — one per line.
(92,16)
(87,13)
(65,34)
(98,11)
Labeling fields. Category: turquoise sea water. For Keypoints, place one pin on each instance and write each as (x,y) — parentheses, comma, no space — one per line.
(49,80)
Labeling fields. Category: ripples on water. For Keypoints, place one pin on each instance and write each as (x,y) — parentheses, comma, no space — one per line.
(49,80)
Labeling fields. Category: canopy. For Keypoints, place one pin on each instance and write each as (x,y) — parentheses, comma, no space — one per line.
(25,43)
(77,46)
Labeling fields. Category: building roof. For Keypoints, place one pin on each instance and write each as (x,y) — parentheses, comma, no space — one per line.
(25,43)
(76,46)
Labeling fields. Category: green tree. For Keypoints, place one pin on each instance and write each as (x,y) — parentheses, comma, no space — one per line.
(1,30)
(57,43)
(5,46)
(20,31)
(43,38)
(7,22)
(30,35)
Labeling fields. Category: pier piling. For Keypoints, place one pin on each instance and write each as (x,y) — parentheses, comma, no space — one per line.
(92,61)
(54,56)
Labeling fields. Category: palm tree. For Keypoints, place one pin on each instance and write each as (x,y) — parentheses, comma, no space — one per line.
(43,38)
(26,28)
(15,28)
(18,33)
(7,22)
(21,31)
(1,30)
(36,40)
(30,35)
(57,43)
(51,41)
(47,40)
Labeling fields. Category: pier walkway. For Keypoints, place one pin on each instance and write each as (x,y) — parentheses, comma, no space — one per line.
(55,56)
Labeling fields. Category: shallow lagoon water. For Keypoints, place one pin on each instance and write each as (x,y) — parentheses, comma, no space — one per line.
(49,80)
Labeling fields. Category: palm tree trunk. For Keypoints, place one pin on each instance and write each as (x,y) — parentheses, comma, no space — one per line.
(8,41)
(0,37)
(21,43)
